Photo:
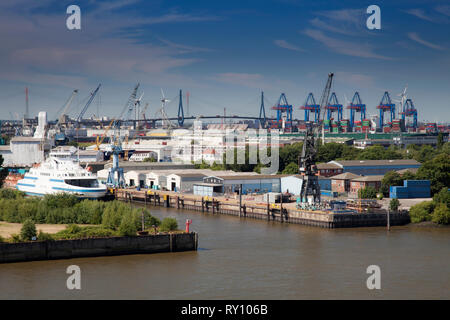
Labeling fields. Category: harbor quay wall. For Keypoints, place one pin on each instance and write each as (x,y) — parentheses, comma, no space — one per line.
(269,212)
(95,247)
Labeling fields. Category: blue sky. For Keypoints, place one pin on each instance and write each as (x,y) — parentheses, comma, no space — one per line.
(223,53)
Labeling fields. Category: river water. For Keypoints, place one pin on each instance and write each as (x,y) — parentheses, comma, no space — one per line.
(254,259)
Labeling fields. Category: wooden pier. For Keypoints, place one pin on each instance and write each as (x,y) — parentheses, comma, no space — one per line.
(283,213)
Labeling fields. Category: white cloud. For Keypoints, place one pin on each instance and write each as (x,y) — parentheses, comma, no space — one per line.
(419,13)
(286,45)
(443,9)
(350,48)
(415,37)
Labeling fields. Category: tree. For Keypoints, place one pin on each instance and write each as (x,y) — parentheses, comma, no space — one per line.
(367,193)
(437,171)
(440,140)
(169,224)
(289,154)
(28,230)
(128,224)
(394,204)
(442,196)
(421,211)
(329,151)
(441,214)
(391,178)
(291,168)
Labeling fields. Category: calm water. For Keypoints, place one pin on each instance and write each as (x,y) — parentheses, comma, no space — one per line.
(252,259)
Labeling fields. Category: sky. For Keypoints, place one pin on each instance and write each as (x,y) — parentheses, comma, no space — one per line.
(224,53)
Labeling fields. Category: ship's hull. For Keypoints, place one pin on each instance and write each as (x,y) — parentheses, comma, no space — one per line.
(41,187)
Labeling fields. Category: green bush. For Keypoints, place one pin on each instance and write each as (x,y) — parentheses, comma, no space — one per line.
(43,236)
(2,239)
(168,224)
(394,204)
(28,230)
(441,214)
(367,193)
(442,196)
(149,220)
(112,216)
(11,194)
(15,238)
(128,225)
(421,211)
(77,232)
(89,211)
(60,200)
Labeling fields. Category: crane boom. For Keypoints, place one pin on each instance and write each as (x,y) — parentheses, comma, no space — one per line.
(83,111)
(325,95)
(67,105)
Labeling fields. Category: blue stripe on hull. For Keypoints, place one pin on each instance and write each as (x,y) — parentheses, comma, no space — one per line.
(77,190)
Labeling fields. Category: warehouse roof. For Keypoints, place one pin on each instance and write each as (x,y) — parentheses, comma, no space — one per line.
(345,176)
(26,139)
(359,163)
(190,174)
(369,178)
(248,177)
(328,165)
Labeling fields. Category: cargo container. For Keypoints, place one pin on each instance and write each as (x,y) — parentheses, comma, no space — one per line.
(411,189)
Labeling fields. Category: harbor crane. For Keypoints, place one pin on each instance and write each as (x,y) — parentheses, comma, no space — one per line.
(311,106)
(307,161)
(88,103)
(284,114)
(409,111)
(334,106)
(65,108)
(386,105)
(356,106)
(115,175)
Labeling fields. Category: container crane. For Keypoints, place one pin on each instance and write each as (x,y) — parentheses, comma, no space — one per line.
(311,106)
(356,106)
(409,111)
(386,105)
(334,106)
(284,114)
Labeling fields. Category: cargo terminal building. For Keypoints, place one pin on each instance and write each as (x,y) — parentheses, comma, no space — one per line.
(375,167)
(219,185)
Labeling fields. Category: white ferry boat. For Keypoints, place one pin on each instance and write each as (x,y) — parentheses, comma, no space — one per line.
(61,175)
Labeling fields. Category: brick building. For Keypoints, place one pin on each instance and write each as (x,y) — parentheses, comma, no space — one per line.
(364,182)
(341,182)
(328,169)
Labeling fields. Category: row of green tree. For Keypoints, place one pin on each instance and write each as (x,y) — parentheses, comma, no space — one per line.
(110,218)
